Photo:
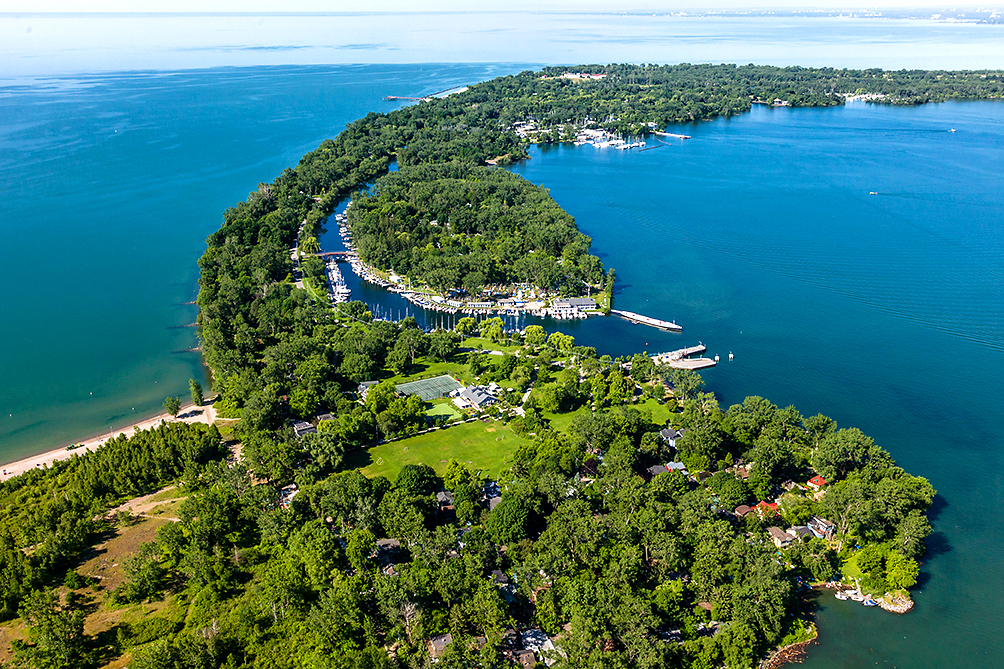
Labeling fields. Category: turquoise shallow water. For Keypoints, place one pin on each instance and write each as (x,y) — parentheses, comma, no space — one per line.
(759,235)
(110,185)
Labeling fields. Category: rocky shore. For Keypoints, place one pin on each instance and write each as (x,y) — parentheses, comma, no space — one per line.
(796,652)
(895,603)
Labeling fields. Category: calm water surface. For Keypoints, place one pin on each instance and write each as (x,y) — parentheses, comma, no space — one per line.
(759,235)
(110,186)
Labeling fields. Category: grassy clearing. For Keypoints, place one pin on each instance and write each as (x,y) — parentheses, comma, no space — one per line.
(485,446)
(660,412)
(488,344)
(443,408)
(104,561)
(426,370)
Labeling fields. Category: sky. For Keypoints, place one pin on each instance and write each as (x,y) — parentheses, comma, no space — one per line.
(270,6)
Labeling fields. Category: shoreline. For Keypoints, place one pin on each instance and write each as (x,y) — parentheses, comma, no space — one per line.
(189,413)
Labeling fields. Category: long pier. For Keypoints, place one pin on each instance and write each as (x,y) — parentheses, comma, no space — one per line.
(672,134)
(430,96)
(647,320)
(680,358)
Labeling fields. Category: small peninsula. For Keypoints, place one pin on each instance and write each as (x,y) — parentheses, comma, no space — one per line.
(373,495)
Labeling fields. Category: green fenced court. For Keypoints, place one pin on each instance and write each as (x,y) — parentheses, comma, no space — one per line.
(431,389)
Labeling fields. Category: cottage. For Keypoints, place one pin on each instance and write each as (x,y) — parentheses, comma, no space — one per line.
(821,527)
(766,509)
(438,644)
(703,476)
(533,639)
(780,538)
(678,466)
(286,495)
(670,435)
(364,388)
(499,577)
(301,427)
(510,640)
(444,499)
(493,502)
(800,532)
(655,470)
(741,472)
(525,659)
(387,552)
(816,482)
(742,511)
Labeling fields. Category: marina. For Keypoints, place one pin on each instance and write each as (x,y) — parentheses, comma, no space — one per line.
(509,301)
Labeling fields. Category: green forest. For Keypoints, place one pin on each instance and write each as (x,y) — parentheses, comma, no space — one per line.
(581,542)
(460,227)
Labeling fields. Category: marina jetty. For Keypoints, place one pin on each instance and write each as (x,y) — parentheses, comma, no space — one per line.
(517,300)
(647,320)
(680,358)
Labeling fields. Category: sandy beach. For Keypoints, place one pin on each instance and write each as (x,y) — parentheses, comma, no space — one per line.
(188,414)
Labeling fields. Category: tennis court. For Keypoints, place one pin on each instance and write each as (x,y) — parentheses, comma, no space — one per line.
(431,389)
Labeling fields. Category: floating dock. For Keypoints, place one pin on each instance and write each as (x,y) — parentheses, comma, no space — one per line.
(646,320)
(672,134)
(680,358)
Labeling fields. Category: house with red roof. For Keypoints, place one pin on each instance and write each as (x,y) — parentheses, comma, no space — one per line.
(766,509)
(816,482)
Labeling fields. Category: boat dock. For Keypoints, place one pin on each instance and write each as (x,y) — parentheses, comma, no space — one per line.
(647,320)
(680,358)
(672,134)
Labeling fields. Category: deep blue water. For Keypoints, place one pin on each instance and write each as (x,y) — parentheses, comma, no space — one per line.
(886,311)
(759,236)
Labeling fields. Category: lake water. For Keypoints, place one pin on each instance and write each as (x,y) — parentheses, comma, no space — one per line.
(886,311)
(759,235)
(110,186)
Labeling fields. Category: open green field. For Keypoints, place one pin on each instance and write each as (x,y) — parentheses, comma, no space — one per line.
(481,446)
(443,408)
(660,414)
(424,369)
(489,345)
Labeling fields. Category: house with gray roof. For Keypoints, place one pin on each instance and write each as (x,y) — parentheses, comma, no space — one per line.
(474,397)
(301,427)
(669,435)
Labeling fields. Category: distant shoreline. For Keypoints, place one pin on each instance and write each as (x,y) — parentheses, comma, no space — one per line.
(206,414)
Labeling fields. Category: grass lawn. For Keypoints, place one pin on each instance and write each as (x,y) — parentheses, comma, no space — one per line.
(488,344)
(660,412)
(443,408)
(481,446)
(850,569)
(561,421)
(426,370)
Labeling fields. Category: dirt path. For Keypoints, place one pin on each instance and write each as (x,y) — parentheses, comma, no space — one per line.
(142,506)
